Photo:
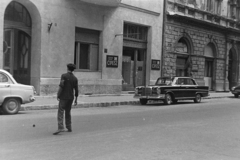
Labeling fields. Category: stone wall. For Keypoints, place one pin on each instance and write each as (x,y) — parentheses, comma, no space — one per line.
(198,38)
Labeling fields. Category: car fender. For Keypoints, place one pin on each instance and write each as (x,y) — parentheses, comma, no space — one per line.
(12,96)
(171,93)
(203,94)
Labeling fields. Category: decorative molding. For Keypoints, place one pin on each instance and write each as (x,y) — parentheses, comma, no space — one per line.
(215,19)
(139,9)
(193,55)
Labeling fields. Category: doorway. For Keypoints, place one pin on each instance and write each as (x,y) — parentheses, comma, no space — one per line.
(232,69)
(133,68)
(17,42)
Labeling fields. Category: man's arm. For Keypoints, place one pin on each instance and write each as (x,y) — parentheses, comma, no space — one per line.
(59,93)
(76,93)
(60,89)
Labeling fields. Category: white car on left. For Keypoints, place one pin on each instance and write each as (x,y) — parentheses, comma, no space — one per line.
(13,94)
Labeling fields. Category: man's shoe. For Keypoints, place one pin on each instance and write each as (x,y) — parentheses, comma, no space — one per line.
(69,130)
(58,131)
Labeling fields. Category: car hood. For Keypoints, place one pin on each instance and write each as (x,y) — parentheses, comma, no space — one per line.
(24,86)
(153,86)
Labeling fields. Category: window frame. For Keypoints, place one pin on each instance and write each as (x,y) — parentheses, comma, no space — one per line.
(208,70)
(77,56)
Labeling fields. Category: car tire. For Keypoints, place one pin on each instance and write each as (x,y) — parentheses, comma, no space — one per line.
(143,101)
(168,99)
(198,98)
(11,106)
(236,95)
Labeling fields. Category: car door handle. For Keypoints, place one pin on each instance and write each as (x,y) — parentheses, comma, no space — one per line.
(8,85)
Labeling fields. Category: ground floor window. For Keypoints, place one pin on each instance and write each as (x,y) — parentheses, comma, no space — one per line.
(86,55)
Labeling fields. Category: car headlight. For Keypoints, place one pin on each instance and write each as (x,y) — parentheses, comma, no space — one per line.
(233,88)
(158,91)
(136,90)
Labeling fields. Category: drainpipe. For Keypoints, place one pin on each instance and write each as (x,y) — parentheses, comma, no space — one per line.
(163,35)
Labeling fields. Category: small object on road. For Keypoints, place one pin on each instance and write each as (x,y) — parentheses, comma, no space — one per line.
(33,125)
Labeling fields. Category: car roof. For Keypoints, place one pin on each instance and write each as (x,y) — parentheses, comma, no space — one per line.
(2,70)
(9,74)
(174,77)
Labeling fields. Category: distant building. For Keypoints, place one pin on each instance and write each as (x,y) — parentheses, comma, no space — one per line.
(115,44)
(202,40)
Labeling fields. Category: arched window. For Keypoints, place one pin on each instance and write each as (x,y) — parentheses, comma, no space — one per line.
(209,50)
(209,54)
(18,13)
(182,46)
(183,59)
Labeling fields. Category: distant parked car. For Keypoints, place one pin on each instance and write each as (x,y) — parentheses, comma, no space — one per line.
(236,91)
(171,89)
(13,94)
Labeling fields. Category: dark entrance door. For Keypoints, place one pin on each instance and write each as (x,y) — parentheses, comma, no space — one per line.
(133,68)
(232,69)
(17,54)
(183,66)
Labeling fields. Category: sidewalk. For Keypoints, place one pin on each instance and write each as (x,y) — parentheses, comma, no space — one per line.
(99,100)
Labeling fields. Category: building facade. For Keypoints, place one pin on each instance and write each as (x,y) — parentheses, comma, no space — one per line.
(115,44)
(202,40)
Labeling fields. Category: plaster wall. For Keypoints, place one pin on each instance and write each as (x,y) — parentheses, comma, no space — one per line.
(53,40)
(152,5)
(109,21)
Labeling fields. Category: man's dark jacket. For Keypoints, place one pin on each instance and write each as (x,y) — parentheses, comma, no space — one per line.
(68,84)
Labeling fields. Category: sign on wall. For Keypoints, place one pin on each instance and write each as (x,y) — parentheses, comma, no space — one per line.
(155,64)
(112,61)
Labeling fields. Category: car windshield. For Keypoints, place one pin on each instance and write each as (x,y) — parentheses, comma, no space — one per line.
(164,81)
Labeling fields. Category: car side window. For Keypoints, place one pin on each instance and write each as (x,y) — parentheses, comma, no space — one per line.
(192,82)
(3,78)
(188,81)
(180,81)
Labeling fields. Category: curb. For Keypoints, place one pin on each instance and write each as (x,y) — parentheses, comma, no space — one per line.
(81,105)
(88,105)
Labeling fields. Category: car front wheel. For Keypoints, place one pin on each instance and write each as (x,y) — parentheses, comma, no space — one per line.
(143,101)
(11,106)
(168,99)
(198,98)
(236,95)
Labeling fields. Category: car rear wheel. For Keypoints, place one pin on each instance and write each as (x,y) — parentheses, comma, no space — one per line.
(168,99)
(143,101)
(198,98)
(236,95)
(11,106)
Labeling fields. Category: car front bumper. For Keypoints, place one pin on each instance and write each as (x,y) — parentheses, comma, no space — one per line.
(159,96)
(235,92)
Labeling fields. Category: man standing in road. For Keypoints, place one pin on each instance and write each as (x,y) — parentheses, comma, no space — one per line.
(68,87)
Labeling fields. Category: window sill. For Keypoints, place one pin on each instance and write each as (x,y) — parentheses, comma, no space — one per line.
(86,70)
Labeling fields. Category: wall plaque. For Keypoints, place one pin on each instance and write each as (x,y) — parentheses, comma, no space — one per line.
(112,61)
(155,64)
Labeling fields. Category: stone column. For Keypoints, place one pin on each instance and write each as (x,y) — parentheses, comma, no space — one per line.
(226,82)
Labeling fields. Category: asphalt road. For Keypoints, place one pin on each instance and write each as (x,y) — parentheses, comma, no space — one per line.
(206,131)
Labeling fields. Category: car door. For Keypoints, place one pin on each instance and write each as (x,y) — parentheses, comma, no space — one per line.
(5,89)
(180,88)
(190,87)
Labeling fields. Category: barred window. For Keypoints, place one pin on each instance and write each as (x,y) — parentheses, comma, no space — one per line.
(136,32)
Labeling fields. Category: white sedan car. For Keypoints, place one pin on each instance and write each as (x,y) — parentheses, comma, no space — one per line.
(13,94)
